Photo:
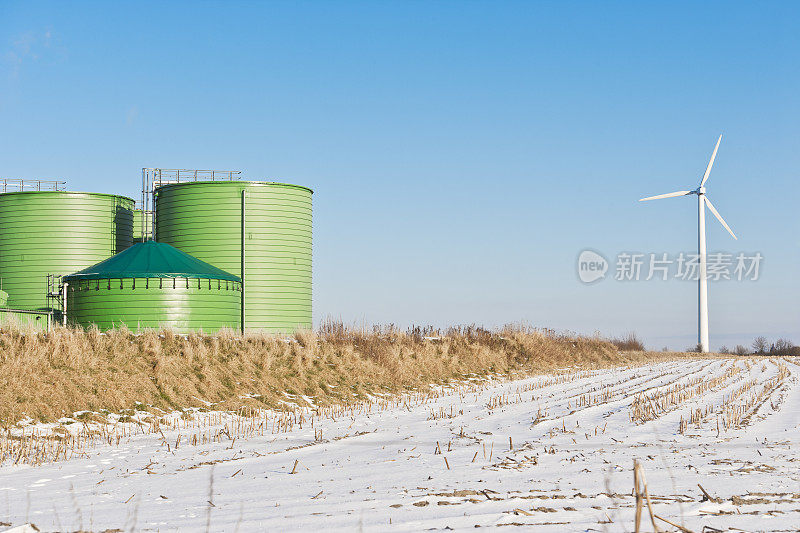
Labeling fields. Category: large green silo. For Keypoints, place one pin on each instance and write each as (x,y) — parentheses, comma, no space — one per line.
(56,232)
(264,226)
(153,285)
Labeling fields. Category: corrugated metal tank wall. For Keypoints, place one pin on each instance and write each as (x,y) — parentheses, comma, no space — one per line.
(204,219)
(181,304)
(56,232)
(37,320)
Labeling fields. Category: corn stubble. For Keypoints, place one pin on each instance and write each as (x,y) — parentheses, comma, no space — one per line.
(734,409)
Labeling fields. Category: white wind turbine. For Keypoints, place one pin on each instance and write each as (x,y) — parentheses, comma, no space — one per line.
(702,282)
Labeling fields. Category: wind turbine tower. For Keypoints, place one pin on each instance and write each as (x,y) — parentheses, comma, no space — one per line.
(702,281)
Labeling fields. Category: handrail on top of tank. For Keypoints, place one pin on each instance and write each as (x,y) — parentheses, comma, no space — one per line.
(21,184)
(159,176)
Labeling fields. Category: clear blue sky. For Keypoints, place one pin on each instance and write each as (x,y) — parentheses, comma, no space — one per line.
(462,153)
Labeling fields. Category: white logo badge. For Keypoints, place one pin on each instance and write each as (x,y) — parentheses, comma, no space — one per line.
(591,266)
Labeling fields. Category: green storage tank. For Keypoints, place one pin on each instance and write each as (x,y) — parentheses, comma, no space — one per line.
(153,285)
(260,229)
(56,232)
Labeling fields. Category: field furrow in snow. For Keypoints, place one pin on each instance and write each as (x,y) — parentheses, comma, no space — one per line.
(553,453)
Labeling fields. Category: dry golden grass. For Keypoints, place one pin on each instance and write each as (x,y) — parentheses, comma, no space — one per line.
(45,376)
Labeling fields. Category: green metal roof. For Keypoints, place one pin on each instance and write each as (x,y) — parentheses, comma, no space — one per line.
(151,260)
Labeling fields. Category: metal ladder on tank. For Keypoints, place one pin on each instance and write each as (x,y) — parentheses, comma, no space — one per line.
(57,296)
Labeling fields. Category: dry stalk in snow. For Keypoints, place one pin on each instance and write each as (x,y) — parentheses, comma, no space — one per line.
(642,494)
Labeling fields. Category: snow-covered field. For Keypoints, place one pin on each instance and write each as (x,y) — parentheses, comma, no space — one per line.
(550,453)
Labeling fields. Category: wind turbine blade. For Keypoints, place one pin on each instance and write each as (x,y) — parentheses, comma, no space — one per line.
(719,217)
(668,195)
(711,162)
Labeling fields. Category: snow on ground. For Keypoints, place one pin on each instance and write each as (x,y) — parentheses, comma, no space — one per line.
(549,453)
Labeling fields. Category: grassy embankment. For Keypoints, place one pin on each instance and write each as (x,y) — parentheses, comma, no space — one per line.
(45,376)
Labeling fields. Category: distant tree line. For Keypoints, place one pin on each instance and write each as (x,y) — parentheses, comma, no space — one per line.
(761,346)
